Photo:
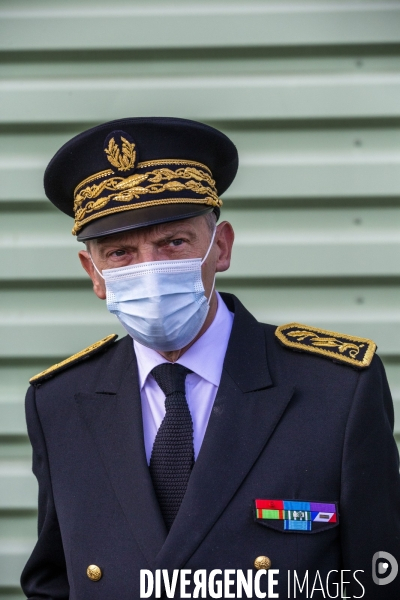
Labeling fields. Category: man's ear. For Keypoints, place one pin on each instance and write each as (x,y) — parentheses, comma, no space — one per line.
(224,239)
(99,287)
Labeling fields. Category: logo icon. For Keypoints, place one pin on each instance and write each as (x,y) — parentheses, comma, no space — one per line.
(121,157)
(384,568)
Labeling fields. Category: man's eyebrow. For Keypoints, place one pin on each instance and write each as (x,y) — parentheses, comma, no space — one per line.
(104,244)
(103,248)
(106,241)
(181,231)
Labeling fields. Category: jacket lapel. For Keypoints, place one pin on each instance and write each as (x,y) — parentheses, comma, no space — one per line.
(114,417)
(245,413)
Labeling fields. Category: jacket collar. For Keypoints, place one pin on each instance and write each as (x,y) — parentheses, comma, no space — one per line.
(246,355)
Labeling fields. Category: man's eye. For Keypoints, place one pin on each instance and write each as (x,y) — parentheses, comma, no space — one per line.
(118,253)
(177,242)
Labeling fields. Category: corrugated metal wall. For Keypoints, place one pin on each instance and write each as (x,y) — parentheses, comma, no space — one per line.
(310,93)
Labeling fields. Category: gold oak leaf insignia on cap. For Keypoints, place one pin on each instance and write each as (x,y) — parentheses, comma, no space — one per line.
(123,159)
(341,347)
(75,358)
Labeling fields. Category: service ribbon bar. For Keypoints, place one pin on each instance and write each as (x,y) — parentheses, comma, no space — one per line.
(297,515)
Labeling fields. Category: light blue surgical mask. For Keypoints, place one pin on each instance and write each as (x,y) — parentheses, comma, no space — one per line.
(161,304)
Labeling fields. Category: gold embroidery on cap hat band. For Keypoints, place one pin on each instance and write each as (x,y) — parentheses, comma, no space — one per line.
(205,201)
(106,173)
(90,199)
(171,161)
(143,165)
(125,189)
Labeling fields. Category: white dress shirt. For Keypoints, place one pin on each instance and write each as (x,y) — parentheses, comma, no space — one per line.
(205,358)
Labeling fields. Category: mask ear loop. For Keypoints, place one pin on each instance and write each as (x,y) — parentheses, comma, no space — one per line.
(204,260)
(211,293)
(209,247)
(96,269)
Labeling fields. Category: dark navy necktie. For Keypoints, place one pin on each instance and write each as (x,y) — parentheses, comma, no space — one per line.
(172,457)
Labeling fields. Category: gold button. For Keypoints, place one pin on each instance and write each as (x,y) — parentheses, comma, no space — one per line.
(94,572)
(262,562)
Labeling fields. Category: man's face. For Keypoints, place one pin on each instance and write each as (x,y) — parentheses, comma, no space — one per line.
(177,240)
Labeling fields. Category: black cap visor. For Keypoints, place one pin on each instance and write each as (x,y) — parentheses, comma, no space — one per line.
(141,217)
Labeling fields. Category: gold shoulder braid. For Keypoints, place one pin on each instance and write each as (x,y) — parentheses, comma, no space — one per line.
(341,347)
(78,357)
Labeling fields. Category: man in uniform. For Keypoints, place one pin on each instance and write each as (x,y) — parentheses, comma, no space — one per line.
(203,440)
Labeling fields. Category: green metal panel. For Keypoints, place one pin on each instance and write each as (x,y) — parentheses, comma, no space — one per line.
(94,24)
(222,97)
(309,92)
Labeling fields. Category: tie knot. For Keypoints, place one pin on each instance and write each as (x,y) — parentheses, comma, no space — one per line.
(171,377)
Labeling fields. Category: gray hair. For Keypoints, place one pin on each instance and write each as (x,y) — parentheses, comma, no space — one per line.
(211,220)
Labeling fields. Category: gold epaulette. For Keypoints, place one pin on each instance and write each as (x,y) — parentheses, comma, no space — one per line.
(72,360)
(340,347)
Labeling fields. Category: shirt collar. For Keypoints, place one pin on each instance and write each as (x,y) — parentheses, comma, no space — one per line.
(205,357)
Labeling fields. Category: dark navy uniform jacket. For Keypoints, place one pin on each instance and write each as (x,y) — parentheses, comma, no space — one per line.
(284,425)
